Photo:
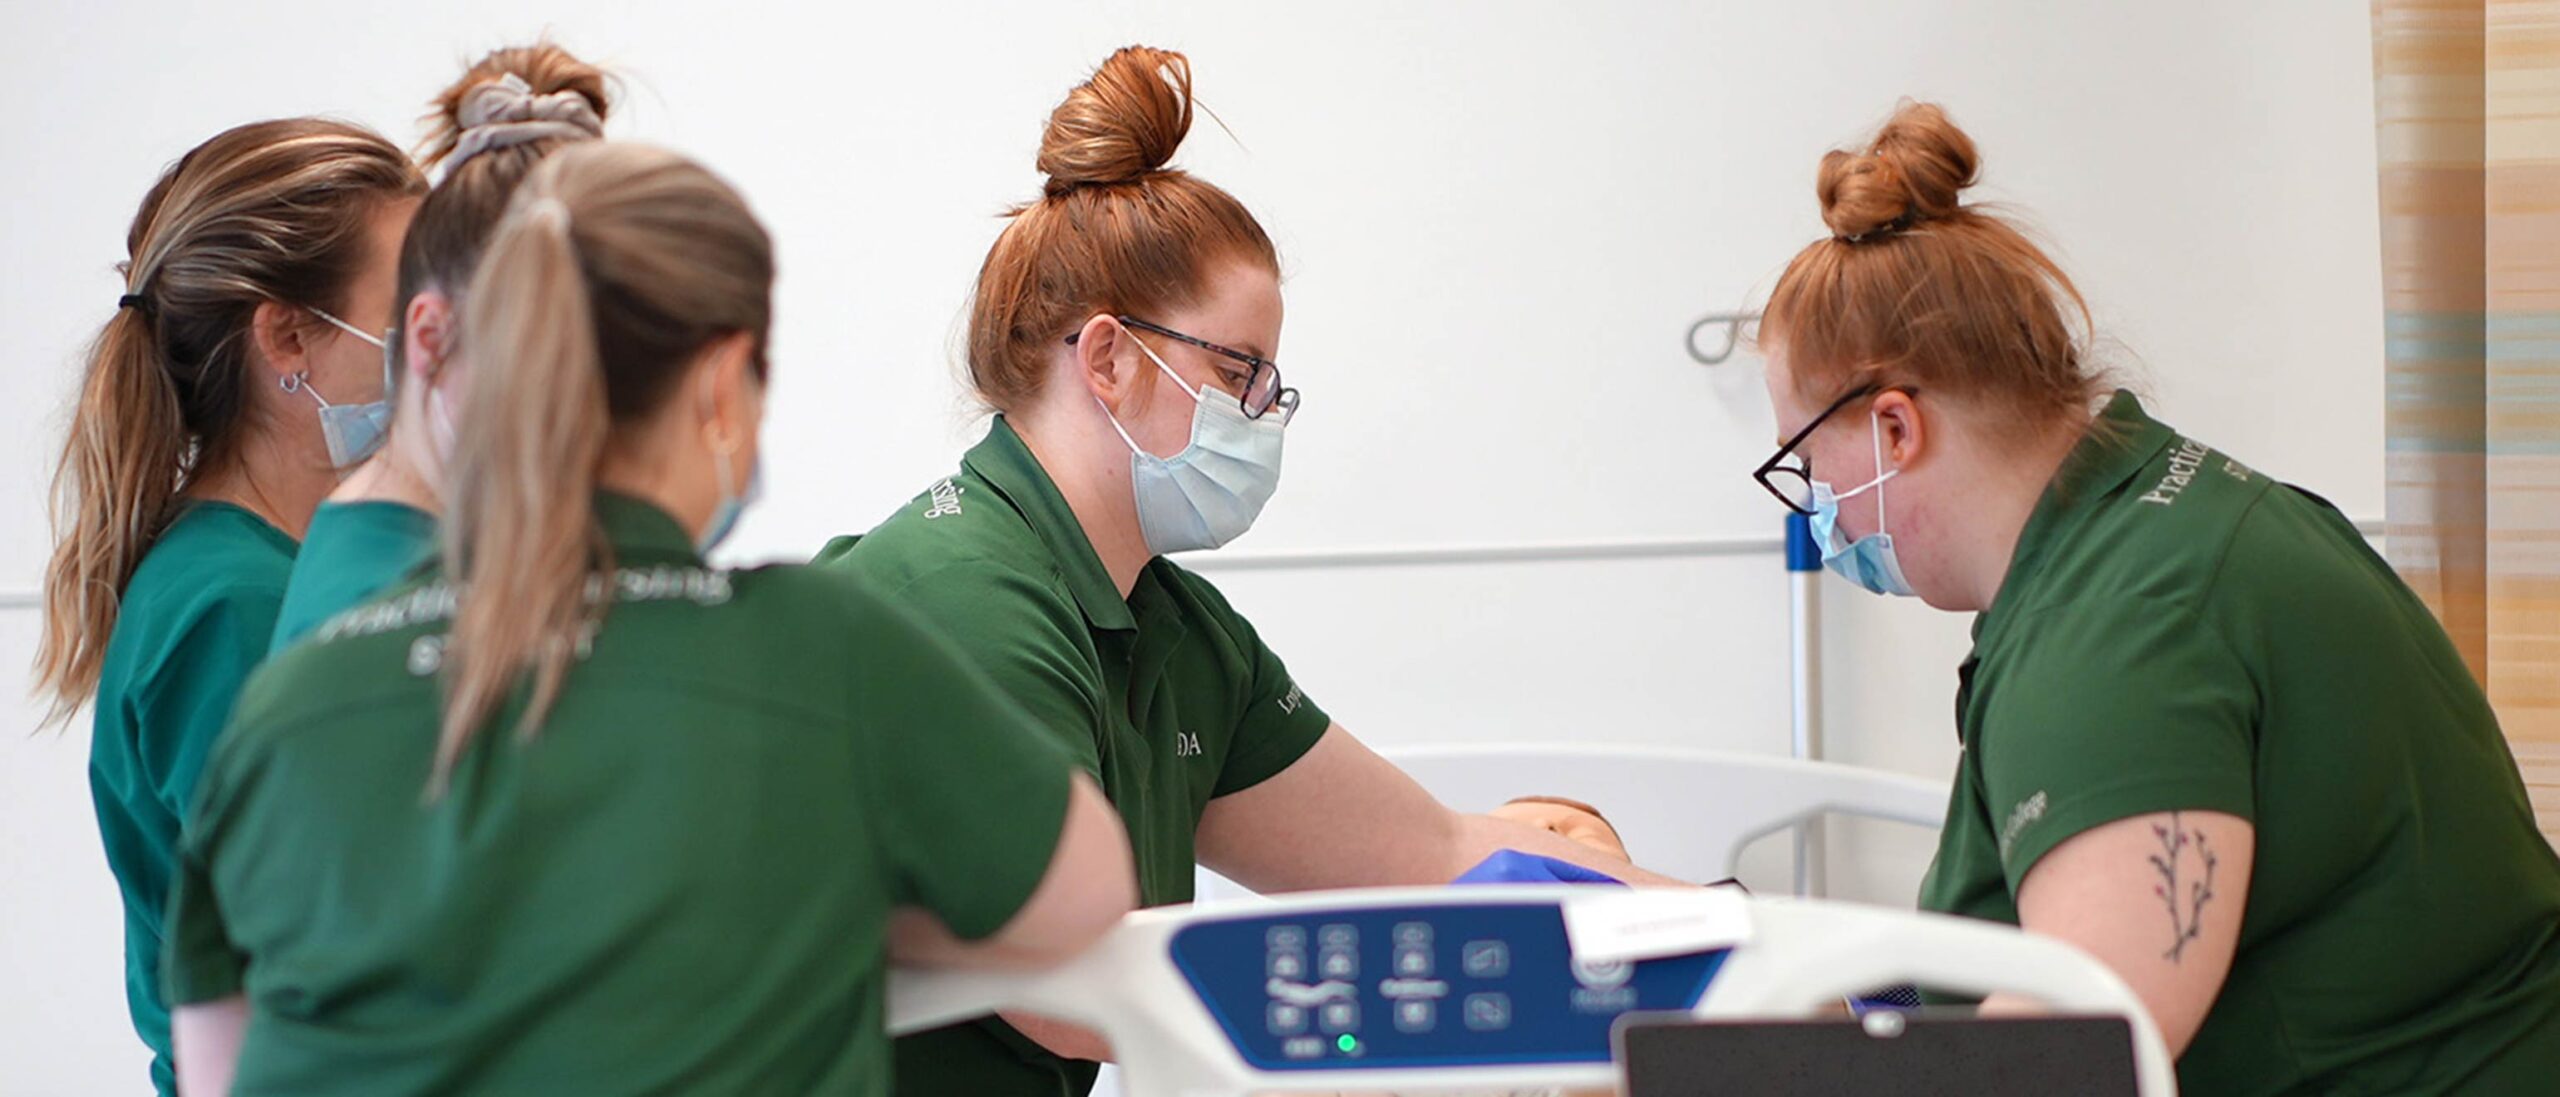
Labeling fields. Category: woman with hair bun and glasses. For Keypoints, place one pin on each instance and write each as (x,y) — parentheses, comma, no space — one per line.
(2209,736)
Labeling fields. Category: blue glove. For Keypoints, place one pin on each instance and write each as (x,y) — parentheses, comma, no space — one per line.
(1510,866)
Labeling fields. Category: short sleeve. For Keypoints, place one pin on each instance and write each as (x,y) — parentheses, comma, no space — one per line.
(971,795)
(190,695)
(2111,712)
(1278,723)
(198,961)
(1030,641)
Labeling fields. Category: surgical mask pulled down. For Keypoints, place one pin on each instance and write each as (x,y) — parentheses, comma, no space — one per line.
(352,431)
(1210,493)
(1868,561)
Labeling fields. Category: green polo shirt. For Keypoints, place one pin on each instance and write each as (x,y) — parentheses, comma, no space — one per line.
(2177,632)
(1167,697)
(680,884)
(193,623)
(351,552)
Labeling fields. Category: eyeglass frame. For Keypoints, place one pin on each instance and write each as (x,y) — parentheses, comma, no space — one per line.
(1804,470)
(1281,396)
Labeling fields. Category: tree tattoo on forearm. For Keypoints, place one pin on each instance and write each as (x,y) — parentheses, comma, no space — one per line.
(2181,852)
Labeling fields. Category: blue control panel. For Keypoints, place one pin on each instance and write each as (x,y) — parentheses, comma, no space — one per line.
(1434,986)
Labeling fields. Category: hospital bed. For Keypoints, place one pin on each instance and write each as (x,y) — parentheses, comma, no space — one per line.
(1490,987)
(1684,813)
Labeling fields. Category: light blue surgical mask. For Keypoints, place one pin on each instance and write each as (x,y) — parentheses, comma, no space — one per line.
(1210,493)
(1868,561)
(733,503)
(352,431)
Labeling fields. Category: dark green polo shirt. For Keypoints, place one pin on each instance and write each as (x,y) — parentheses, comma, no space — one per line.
(680,884)
(351,552)
(2179,633)
(194,622)
(1167,697)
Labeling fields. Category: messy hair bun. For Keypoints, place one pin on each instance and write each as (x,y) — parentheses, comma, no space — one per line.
(523,95)
(1121,124)
(1914,171)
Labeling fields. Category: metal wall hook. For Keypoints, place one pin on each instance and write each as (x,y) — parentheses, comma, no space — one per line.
(1732,322)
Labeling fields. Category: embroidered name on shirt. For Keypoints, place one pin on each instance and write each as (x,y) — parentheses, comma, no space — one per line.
(1186,744)
(435,601)
(1290,701)
(2027,812)
(946,500)
(2183,466)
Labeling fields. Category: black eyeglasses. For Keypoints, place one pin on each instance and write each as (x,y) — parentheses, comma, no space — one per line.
(1262,390)
(1793,484)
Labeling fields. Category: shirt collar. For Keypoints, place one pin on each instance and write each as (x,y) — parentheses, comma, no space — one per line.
(638,528)
(2122,439)
(1007,464)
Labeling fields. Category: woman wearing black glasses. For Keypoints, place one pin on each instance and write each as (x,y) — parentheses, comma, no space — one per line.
(1124,331)
(2209,736)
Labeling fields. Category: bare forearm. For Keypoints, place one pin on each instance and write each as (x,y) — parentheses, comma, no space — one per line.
(1063,1039)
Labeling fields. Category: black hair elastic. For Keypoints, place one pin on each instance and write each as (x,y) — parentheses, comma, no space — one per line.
(137,302)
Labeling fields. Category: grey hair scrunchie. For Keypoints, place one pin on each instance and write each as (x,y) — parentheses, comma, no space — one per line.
(505,112)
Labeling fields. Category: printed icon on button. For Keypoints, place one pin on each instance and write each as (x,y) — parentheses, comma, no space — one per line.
(1415,1015)
(1303,1047)
(1341,1016)
(1339,936)
(1285,938)
(1288,965)
(1340,964)
(1413,935)
(1486,959)
(1488,1012)
(1413,962)
(1287,1020)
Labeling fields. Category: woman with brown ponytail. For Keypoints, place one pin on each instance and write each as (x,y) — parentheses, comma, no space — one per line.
(492,126)
(572,811)
(2209,736)
(218,403)
(1125,331)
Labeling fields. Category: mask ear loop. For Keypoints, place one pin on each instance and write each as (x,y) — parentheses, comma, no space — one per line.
(1875,432)
(1114,420)
(722,449)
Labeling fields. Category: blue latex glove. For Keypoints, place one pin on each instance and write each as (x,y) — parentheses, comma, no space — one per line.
(1510,866)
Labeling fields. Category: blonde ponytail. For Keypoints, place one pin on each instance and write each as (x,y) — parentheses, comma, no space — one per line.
(616,265)
(522,525)
(113,489)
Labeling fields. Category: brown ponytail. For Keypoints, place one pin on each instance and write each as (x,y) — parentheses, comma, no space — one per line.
(1916,288)
(271,211)
(614,267)
(1114,230)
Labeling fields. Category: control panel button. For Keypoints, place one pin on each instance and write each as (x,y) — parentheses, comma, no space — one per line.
(1486,959)
(1488,1012)
(1339,964)
(1288,965)
(1340,1016)
(1287,1020)
(1416,1015)
(1304,1047)
(1285,938)
(1413,935)
(1339,936)
(1413,962)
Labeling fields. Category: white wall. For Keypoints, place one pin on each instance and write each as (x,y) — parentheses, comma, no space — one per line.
(1497,218)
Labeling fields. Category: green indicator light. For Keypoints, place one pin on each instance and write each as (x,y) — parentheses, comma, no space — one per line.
(1348,1043)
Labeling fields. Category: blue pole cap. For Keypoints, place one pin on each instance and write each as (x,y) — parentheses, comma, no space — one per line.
(1803,553)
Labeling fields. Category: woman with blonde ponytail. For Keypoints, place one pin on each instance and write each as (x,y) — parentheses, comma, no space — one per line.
(511,109)
(573,810)
(233,378)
